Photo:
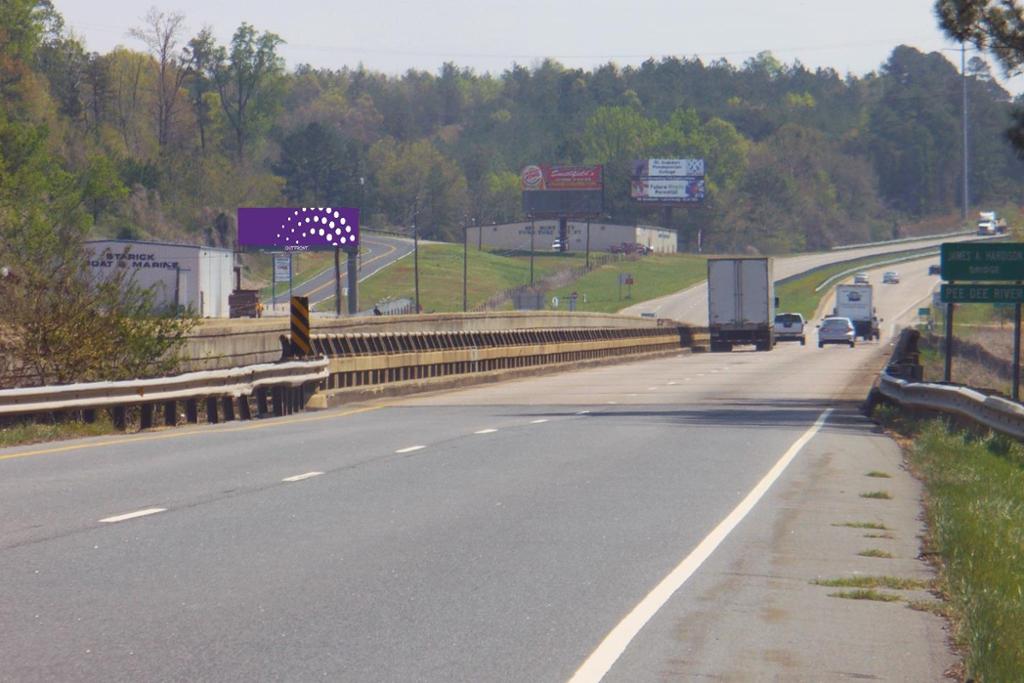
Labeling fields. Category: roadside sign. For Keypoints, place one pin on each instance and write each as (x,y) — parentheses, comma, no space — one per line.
(982,262)
(924,312)
(982,294)
(282,268)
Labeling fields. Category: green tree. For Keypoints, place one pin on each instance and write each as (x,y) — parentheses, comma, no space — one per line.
(247,81)
(319,167)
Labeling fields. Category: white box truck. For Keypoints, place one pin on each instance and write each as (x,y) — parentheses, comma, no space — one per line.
(856,303)
(741,303)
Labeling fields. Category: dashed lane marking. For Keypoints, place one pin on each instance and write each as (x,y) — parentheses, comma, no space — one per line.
(300,477)
(410,449)
(132,515)
(537,422)
(485,431)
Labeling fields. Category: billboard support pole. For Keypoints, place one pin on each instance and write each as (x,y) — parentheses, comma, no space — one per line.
(588,244)
(291,275)
(532,231)
(337,281)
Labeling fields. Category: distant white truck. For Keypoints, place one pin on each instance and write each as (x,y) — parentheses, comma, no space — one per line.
(856,302)
(741,303)
(990,224)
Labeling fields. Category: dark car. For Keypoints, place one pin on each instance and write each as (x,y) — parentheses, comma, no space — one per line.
(935,269)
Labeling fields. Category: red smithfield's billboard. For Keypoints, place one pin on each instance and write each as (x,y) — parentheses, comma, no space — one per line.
(569,191)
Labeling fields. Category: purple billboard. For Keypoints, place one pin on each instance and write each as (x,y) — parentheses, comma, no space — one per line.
(298,229)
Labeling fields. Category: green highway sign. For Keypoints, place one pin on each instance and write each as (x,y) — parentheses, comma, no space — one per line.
(982,262)
(983,294)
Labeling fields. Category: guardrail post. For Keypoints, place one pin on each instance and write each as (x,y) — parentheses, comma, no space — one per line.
(211,411)
(120,417)
(170,413)
(277,394)
(261,401)
(243,407)
(229,408)
(146,416)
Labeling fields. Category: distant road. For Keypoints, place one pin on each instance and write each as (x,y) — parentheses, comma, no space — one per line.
(691,305)
(379,252)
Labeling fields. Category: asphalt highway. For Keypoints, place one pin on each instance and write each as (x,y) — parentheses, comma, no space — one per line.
(495,533)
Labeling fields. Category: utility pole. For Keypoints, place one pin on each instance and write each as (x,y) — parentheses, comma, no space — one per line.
(465,261)
(532,230)
(963,79)
(416,252)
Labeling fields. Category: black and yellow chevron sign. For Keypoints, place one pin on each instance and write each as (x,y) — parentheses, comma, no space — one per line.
(300,327)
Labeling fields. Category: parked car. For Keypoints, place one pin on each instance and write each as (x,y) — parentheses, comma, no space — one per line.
(891,277)
(935,269)
(836,331)
(790,327)
(861,279)
(556,245)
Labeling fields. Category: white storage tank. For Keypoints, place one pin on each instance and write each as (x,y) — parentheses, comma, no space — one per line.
(199,278)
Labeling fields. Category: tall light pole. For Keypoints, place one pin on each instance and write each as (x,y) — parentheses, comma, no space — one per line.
(532,231)
(963,79)
(416,252)
(465,261)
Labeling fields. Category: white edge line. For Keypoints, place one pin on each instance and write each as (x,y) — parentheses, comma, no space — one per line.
(300,477)
(132,515)
(614,644)
(410,449)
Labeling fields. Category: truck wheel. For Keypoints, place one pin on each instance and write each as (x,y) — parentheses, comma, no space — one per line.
(803,341)
(821,345)
(851,343)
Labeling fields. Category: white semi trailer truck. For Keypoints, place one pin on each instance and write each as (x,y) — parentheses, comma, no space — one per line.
(741,303)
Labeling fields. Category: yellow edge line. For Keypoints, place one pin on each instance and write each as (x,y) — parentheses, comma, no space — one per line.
(190,432)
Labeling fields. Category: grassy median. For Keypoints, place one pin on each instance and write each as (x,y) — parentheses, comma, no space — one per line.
(975,510)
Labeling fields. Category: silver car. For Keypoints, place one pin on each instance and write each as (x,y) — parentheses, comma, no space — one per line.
(836,331)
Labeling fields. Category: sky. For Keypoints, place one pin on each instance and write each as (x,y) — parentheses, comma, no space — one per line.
(392,36)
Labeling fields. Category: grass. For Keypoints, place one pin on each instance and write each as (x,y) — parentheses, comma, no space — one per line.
(19,434)
(879,495)
(875,552)
(799,296)
(976,513)
(880,475)
(863,525)
(490,273)
(440,267)
(974,507)
(653,276)
(879,536)
(893,582)
(866,594)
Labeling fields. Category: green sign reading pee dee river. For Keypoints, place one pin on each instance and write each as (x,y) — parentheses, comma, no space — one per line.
(982,294)
(982,262)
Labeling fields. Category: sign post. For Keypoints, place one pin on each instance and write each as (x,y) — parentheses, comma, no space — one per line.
(300,341)
(979,265)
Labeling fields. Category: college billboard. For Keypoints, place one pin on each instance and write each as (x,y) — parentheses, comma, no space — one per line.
(668,168)
(568,191)
(668,190)
(298,229)
(668,181)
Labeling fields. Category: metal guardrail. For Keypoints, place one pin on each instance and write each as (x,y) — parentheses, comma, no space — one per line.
(993,412)
(360,360)
(922,238)
(277,388)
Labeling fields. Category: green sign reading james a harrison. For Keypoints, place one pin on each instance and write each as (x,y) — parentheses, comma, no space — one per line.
(982,294)
(982,262)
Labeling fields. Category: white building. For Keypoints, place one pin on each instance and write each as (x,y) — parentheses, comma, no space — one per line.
(603,236)
(198,278)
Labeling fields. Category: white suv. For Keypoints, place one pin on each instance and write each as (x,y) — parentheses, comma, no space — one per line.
(790,327)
